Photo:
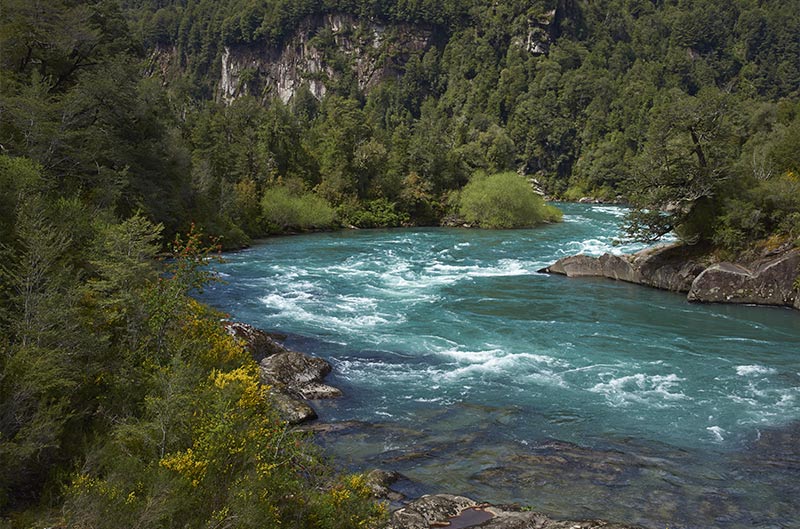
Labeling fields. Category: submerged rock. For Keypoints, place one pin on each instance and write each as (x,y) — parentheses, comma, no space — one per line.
(679,268)
(445,510)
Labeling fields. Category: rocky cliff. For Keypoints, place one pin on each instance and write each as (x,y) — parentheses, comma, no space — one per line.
(324,50)
(768,280)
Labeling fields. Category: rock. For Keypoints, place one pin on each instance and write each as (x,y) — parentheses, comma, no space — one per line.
(315,391)
(292,410)
(260,344)
(669,267)
(766,281)
(291,375)
(379,481)
(430,511)
(376,51)
(442,510)
(294,370)
(769,281)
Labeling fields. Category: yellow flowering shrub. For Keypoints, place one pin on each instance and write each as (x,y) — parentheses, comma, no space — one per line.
(203,446)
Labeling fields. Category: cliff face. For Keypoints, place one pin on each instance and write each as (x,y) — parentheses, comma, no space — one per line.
(324,50)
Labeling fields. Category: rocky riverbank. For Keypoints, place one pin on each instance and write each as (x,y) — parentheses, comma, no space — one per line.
(769,279)
(445,510)
(296,378)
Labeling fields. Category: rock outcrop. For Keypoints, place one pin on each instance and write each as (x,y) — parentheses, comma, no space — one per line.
(769,280)
(293,377)
(766,282)
(443,510)
(260,344)
(374,51)
(298,373)
(670,267)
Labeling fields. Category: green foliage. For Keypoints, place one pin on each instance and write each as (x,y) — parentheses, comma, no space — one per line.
(285,209)
(504,200)
(379,213)
(683,165)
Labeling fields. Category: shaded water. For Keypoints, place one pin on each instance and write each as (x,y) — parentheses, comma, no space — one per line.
(474,374)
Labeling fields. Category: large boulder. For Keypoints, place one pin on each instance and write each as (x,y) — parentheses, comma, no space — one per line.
(671,267)
(298,373)
(291,376)
(290,409)
(769,281)
(443,510)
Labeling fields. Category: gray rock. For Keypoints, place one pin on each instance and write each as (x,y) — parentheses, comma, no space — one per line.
(430,511)
(290,409)
(315,391)
(379,481)
(769,281)
(671,267)
(293,369)
(259,344)
(291,376)
(295,376)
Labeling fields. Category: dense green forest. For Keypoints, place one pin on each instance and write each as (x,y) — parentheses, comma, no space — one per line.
(122,399)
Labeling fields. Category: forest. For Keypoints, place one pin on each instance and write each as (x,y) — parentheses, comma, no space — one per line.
(118,185)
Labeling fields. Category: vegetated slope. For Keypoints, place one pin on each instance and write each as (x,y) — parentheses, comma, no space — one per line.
(686,106)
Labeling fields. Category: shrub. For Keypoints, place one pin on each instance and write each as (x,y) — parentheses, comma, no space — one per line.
(504,200)
(378,213)
(286,209)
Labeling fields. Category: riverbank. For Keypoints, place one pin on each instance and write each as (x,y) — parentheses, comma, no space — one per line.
(771,278)
(296,380)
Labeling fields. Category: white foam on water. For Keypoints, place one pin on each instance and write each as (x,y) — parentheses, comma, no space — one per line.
(307,308)
(652,390)
(755,369)
(472,357)
(546,377)
(494,362)
(717,432)
(617,211)
(356,303)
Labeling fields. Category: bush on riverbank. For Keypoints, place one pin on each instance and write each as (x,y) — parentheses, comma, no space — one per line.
(378,213)
(504,200)
(126,404)
(286,209)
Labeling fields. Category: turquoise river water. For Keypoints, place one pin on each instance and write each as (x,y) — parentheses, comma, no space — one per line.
(470,373)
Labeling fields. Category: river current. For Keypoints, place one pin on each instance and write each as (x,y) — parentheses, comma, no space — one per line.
(470,373)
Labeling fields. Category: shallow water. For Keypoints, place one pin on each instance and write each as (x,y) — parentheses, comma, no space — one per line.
(476,375)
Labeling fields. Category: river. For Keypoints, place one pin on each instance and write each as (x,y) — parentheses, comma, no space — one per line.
(473,374)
